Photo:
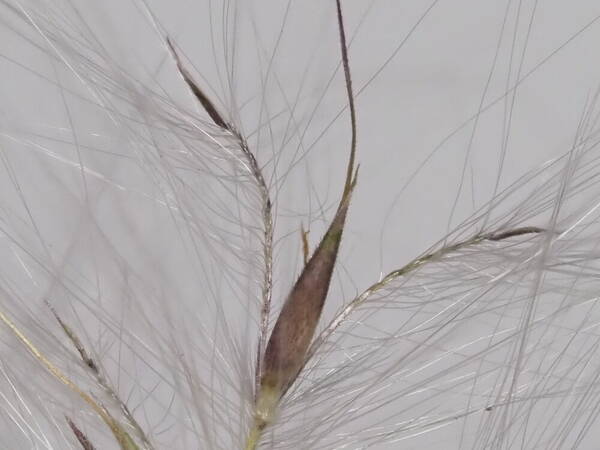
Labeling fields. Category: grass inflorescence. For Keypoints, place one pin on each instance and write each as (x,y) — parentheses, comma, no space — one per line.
(175,274)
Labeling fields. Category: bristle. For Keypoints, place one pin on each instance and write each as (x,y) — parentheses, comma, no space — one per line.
(158,158)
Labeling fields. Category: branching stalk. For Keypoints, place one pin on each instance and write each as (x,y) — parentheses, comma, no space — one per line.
(267,214)
(410,267)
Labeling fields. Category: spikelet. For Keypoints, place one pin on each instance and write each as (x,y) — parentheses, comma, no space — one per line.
(294,329)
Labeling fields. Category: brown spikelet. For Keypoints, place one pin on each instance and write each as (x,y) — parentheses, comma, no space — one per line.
(296,324)
(206,103)
(89,362)
(515,232)
(79,435)
(294,329)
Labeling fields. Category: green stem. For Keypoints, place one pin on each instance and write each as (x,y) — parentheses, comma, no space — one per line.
(253,437)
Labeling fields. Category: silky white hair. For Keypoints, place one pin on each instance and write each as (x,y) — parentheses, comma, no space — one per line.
(462,312)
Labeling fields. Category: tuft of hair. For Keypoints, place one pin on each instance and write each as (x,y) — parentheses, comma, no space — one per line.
(157,163)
